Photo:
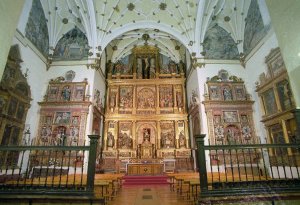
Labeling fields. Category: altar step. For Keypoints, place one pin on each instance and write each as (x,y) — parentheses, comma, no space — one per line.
(142,180)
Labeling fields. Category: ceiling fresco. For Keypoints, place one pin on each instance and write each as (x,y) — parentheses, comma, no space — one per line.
(176,27)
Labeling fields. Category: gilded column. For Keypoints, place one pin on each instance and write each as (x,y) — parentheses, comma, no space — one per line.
(174,97)
(117,99)
(286,135)
(157,100)
(176,134)
(107,98)
(158,135)
(116,133)
(134,101)
(105,134)
(134,144)
(186,133)
(183,97)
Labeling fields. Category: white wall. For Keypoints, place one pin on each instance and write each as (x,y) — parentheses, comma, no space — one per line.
(9,16)
(254,67)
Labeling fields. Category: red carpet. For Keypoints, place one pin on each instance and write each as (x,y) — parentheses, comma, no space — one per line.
(142,180)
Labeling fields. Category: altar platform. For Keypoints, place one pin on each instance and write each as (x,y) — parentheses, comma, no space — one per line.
(148,167)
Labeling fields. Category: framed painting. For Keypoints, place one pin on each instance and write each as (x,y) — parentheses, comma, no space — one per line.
(285,95)
(240,93)
(79,92)
(269,102)
(52,93)
(214,92)
(126,97)
(62,117)
(230,116)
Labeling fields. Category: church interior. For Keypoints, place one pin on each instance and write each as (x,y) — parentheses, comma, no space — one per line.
(150,89)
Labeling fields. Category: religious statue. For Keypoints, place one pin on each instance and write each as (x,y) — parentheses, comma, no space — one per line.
(110,140)
(181,67)
(139,68)
(146,135)
(66,93)
(179,99)
(181,139)
(227,94)
(230,136)
(146,68)
(112,101)
(152,68)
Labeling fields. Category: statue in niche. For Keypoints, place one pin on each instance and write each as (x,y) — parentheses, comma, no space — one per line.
(110,140)
(181,139)
(179,99)
(146,68)
(231,135)
(146,135)
(112,100)
(172,67)
(66,93)
(181,67)
(227,93)
(118,68)
(139,68)
(152,68)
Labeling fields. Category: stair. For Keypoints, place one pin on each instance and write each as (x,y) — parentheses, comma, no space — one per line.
(142,180)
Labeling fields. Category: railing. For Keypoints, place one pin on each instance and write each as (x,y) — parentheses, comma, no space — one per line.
(48,170)
(239,169)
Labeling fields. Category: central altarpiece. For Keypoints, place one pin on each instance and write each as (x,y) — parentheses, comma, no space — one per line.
(146,116)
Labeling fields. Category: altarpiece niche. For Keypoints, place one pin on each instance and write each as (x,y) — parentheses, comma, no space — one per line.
(145,118)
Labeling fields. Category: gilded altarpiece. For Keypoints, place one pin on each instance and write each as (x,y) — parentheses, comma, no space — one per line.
(277,104)
(229,114)
(15,97)
(146,115)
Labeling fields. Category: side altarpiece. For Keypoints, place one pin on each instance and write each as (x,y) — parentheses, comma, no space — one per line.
(229,112)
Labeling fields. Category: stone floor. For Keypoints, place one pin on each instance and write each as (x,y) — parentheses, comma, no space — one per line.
(161,195)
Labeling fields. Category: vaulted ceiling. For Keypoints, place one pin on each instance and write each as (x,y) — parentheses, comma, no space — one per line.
(175,26)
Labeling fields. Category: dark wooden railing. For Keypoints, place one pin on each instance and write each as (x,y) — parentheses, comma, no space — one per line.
(239,169)
(48,170)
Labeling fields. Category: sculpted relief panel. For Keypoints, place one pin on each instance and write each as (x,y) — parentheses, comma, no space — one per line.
(167,134)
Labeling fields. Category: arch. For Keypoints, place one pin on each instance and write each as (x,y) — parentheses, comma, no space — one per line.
(139,131)
(72,46)
(143,25)
(199,23)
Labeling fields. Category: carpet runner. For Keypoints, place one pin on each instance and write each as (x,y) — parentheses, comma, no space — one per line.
(142,180)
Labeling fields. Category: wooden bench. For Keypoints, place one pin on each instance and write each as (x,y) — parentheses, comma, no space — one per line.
(34,198)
